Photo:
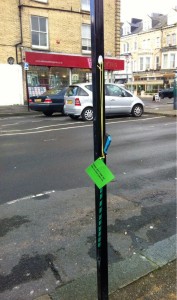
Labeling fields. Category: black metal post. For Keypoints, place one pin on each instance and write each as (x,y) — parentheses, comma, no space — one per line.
(175,92)
(27,92)
(97,39)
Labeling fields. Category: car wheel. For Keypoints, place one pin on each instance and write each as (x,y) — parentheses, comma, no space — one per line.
(137,110)
(48,113)
(87,114)
(73,117)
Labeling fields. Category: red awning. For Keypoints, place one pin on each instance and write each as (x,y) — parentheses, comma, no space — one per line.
(69,61)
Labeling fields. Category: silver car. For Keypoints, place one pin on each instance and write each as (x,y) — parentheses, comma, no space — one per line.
(118,100)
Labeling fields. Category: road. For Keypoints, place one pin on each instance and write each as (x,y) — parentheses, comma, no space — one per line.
(41,154)
(43,163)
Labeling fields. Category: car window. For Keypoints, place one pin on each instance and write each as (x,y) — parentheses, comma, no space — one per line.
(72,91)
(116,91)
(51,92)
(89,87)
(81,92)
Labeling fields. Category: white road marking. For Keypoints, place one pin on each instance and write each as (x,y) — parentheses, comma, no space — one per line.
(48,126)
(10,124)
(30,197)
(11,133)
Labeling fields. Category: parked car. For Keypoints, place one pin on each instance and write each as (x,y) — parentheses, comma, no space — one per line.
(49,102)
(166,93)
(118,100)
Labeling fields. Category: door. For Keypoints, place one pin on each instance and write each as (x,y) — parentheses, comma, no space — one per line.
(120,100)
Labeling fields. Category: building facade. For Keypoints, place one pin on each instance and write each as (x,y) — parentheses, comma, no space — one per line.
(149,49)
(51,41)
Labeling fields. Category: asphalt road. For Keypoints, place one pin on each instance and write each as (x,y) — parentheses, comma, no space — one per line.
(39,154)
(47,200)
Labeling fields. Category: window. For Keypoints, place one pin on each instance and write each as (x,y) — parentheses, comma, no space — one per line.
(157,62)
(85,4)
(168,40)
(173,39)
(39,32)
(115,91)
(135,45)
(126,48)
(157,42)
(172,61)
(144,44)
(141,63)
(147,66)
(165,61)
(86,38)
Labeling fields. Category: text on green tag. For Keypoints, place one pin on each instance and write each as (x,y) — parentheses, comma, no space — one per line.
(99,173)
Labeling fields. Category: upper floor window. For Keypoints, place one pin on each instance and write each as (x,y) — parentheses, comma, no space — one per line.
(126,47)
(147,66)
(85,4)
(141,63)
(172,61)
(168,40)
(157,62)
(39,32)
(165,61)
(86,38)
(135,45)
(174,39)
(158,42)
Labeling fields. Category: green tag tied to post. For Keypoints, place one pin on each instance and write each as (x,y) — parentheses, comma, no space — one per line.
(99,173)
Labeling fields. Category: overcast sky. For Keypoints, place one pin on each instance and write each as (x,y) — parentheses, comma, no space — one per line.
(140,8)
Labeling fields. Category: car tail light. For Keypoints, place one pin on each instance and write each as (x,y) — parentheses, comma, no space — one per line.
(48,100)
(77,102)
(30,101)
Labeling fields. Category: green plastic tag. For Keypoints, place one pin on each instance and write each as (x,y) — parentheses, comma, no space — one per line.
(99,173)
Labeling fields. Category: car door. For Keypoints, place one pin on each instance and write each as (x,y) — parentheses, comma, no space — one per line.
(120,100)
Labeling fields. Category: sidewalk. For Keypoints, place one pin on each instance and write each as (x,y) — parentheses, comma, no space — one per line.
(157,285)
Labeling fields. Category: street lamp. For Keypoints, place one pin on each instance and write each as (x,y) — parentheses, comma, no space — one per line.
(175,91)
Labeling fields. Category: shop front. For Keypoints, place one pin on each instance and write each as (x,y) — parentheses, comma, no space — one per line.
(55,71)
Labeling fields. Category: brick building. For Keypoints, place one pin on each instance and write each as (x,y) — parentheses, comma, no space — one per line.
(54,38)
(149,48)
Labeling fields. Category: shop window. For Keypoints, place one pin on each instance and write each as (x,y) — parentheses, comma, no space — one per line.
(39,32)
(85,4)
(86,38)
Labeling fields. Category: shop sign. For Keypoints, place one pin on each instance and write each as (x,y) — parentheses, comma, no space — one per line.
(70,61)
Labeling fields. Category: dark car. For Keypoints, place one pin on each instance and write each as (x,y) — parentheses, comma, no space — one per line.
(48,103)
(166,93)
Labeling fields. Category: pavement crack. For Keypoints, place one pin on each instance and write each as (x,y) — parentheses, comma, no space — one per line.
(54,270)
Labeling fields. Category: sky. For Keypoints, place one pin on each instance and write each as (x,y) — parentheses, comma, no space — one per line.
(140,8)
